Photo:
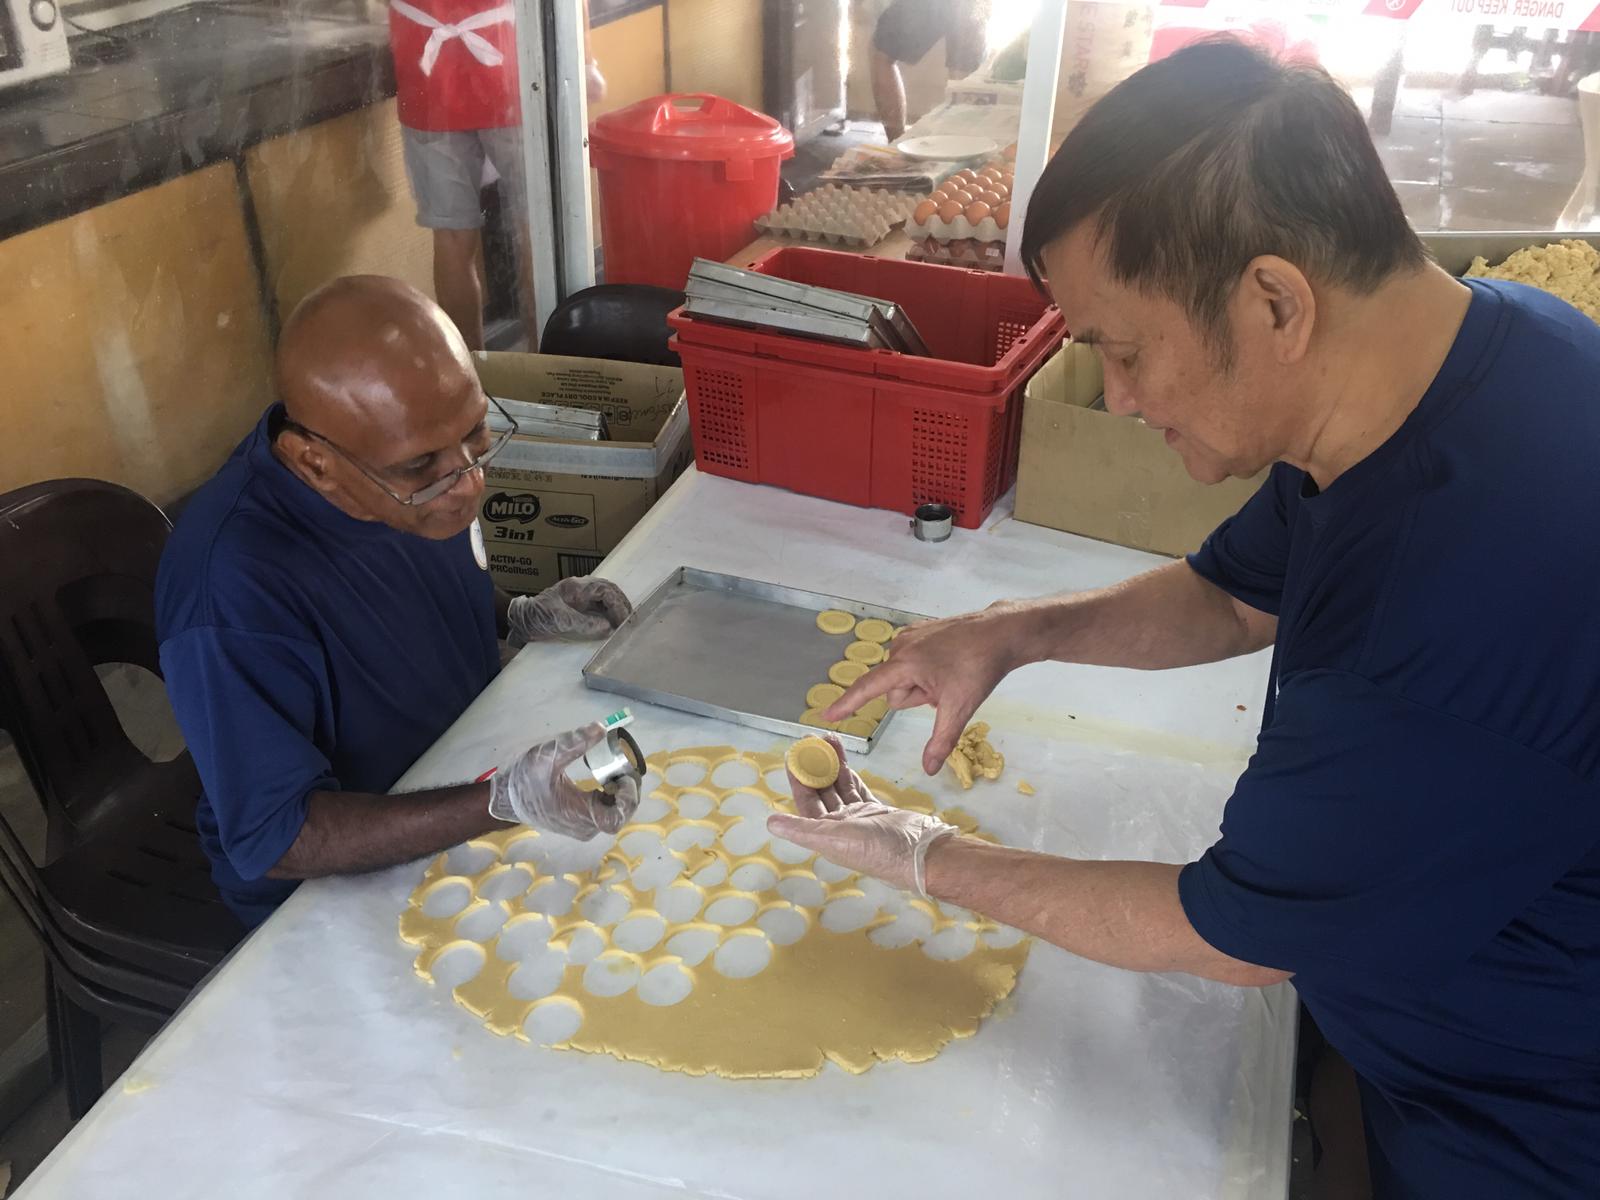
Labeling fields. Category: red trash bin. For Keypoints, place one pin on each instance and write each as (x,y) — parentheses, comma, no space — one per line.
(681,176)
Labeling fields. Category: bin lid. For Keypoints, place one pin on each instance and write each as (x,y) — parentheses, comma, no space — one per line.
(692,127)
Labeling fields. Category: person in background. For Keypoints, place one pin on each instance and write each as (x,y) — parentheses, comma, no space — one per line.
(456,85)
(325,613)
(906,31)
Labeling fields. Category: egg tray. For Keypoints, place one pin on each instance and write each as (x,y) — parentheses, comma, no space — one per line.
(846,216)
(981,256)
(961,229)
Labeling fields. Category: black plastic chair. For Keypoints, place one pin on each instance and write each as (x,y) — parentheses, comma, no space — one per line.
(626,322)
(123,902)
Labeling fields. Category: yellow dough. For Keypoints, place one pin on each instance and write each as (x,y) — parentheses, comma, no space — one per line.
(974,756)
(1025,787)
(694,943)
(874,630)
(823,694)
(812,717)
(867,653)
(845,673)
(874,710)
(813,762)
(858,726)
(835,621)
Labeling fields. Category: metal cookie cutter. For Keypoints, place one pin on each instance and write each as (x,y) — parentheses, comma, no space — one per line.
(617,756)
(933,522)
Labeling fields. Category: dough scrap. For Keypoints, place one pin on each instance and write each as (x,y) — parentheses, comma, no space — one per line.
(1025,787)
(868,653)
(974,757)
(1569,269)
(835,621)
(823,694)
(845,673)
(813,762)
(874,630)
(777,970)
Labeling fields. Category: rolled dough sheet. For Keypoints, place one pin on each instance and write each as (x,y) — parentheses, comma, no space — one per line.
(694,943)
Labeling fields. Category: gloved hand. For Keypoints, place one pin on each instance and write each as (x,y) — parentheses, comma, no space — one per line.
(847,825)
(594,82)
(585,607)
(535,790)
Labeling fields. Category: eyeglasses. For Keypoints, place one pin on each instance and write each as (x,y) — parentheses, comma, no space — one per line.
(439,486)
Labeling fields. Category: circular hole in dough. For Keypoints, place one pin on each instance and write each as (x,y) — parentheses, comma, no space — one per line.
(469,858)
(802,888)
(538,976)
(745,836)
(481,924)
(879,892)
(611,974)
(691,835)
(696,804)
(523,937)
(713,874)
(751,805)
(686,772)
(679,903)
(951,944)
(783,925)
(731,909)
(848,914)
(753,877)
(835,621)
(652,808)
(786,851)
(606,906)
(525,848)
(636,843)
(657,870)
(744,954)
(868,653)
(862,727)
(584,944)
(506,884)
(552,1021)
(954,912)
(446,898)
(845,672)
(813,762)
(823,694)
(1002,938)
(734,773)
(909,925)
(777,778)
(551,896)
(812,718)
(639,931)
(457,963)
(693,945)
(874,630)
(665,984)
(830,872)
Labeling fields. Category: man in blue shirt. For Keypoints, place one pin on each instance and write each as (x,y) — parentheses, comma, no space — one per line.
(325,610)
(1416,842)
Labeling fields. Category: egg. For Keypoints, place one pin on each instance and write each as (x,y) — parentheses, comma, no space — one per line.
(977,211)
(961,196)
(1002,215)
(924,211)
(1002,189)
(992,199)
(968,174)
(950,210)
(992,173)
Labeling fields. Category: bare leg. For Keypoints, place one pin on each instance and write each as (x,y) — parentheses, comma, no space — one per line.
(889,93)
(458,281)
(1336,1114)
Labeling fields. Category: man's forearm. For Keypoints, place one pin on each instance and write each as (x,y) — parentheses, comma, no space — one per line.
(346,832)
(1168,617)
(1124,914)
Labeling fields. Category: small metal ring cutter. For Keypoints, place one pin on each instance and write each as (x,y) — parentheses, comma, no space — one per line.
(616,757)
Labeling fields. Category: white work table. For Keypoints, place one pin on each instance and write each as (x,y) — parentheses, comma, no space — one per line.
(316,1063)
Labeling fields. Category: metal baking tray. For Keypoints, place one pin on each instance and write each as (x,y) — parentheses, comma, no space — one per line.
(735,649)
(1455,249)
(813,325)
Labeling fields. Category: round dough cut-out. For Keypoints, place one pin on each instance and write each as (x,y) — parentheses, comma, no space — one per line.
(844,672)
(823,694)
(813,762)
(867,653)
(835,621)
(858,726)
(874,630)
(696,942)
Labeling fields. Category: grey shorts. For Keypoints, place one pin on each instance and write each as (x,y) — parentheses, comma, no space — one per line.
(446,169)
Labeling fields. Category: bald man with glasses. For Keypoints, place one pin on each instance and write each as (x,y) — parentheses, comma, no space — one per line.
(325,610)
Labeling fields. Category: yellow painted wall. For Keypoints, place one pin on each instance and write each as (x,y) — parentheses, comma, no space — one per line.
(133,341)
(716,48)
(332,200)
(632,56)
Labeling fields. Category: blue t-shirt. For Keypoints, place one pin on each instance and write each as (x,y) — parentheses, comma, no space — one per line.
(306,650)
(1417,837)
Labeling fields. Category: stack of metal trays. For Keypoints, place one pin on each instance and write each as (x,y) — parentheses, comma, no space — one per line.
(732,295)
(551,421)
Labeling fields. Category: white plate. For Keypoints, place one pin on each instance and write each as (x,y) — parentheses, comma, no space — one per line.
(946,147)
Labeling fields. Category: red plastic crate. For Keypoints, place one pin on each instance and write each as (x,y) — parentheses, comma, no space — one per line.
(874,427)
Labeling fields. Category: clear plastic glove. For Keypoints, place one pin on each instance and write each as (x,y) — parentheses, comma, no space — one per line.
(594,82)
(534,789)
(585,607)
(846,824)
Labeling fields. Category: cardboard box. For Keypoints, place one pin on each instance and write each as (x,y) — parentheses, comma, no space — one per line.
(553,508)
(1110,477)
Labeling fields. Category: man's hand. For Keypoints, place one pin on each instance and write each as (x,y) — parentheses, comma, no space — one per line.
(847,825)
(580,608)
(534,789)
(952,665)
